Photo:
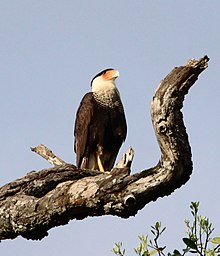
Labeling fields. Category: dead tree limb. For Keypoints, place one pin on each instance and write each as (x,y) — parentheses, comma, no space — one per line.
(47,154)
(33,204)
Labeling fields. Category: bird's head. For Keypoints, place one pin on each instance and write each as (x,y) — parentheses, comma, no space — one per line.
(105,80)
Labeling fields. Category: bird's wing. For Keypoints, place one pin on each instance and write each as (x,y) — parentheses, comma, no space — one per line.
(81,130)
(119,128)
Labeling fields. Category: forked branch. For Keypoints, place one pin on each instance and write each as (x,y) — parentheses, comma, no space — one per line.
(33,204)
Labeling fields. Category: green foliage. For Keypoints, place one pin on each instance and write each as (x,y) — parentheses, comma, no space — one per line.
(197,242)
(117,249)
(199,232)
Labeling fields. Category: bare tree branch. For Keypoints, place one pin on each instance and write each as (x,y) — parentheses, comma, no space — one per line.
(33,204)
(47,154)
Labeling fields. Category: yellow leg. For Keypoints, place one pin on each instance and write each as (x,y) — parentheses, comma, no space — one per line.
(101,168)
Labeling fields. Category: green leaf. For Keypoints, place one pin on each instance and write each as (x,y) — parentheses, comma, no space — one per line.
(176,253)
(152,231)
(153,252)
(216,240)
(190,243)
(186,250)
(158,225)
(162,230)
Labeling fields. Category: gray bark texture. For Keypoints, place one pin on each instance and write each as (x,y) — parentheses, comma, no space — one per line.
(41,200)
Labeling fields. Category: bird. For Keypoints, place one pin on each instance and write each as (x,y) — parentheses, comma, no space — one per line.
(100,124)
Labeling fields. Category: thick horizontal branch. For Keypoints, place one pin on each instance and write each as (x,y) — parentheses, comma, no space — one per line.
(31,205)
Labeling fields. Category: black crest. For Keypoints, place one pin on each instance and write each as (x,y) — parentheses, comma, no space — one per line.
(101,73)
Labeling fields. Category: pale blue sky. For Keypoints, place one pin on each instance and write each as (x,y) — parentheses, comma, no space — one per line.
(50,50)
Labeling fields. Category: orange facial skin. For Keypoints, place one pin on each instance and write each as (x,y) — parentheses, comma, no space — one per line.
(110,74)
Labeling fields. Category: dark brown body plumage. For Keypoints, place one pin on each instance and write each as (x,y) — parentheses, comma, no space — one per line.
(99,129)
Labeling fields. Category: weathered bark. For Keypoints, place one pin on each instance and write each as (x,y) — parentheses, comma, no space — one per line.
(30,206)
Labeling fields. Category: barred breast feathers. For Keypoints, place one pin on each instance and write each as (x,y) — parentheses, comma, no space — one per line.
(110,99)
